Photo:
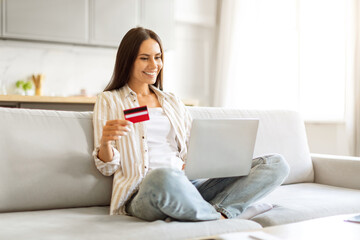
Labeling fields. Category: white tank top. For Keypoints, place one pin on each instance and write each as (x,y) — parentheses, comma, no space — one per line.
(162,146)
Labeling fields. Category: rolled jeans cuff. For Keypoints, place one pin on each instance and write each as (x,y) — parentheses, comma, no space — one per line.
(223,211)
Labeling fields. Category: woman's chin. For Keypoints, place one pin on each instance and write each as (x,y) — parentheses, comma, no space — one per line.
(151,81)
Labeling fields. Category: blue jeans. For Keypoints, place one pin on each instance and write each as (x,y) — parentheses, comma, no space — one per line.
(168,192)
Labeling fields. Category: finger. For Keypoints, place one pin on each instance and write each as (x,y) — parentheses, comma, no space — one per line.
(114,136)
(119,122)
(115,133)
(110,138)
(116,128)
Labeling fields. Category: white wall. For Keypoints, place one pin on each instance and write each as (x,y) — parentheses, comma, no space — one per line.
(328,138)
(67,68)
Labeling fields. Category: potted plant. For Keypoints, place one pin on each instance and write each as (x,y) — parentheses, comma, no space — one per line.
(23,87)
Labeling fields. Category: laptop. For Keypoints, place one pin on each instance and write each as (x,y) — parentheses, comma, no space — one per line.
(221,148)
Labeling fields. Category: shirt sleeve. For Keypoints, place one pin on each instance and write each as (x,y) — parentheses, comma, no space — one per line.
(100,115)
(108,168)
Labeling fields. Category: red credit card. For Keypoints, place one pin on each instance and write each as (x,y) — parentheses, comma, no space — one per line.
(138,114)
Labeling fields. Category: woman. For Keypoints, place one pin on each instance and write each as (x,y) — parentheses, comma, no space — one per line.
(147,158)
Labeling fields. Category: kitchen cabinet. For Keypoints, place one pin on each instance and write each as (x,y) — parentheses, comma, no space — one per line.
(111,19)
(158,15)
(49,20)
(88,22)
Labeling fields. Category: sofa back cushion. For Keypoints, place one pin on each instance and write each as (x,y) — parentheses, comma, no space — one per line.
(280,132)
(46,161)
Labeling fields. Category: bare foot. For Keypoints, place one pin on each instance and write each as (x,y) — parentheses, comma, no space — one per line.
(222,216)
(254,210)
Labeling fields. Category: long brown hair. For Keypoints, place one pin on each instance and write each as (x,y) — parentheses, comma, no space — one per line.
(126,56)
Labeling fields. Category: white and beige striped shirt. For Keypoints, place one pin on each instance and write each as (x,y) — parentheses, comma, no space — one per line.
(132,165)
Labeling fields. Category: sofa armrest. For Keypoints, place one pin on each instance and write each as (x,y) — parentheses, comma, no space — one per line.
(339,171)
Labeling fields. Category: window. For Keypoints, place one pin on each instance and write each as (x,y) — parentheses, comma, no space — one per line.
(290,54)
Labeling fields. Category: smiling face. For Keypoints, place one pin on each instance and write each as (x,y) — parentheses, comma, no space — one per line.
(148,63)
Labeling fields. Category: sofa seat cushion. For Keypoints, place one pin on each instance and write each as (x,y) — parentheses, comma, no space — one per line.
(303,201)
(96,223)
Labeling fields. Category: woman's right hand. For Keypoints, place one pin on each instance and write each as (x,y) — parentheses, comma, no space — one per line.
(114,129)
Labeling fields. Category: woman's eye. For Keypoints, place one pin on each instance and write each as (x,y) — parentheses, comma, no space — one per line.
(144,58)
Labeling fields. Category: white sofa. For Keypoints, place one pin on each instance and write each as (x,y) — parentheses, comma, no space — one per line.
(50,188)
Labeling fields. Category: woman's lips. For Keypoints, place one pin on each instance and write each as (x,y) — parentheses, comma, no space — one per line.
(153,74)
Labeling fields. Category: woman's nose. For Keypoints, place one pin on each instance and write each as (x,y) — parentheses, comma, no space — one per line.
(152,63)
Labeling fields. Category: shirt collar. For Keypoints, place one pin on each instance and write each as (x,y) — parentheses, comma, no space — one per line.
(129,92)
(158,92)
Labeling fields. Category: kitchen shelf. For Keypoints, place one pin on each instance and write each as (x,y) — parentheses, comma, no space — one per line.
(74,103)
(47,99)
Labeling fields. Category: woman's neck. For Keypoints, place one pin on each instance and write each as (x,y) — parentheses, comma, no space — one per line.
(140,90)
